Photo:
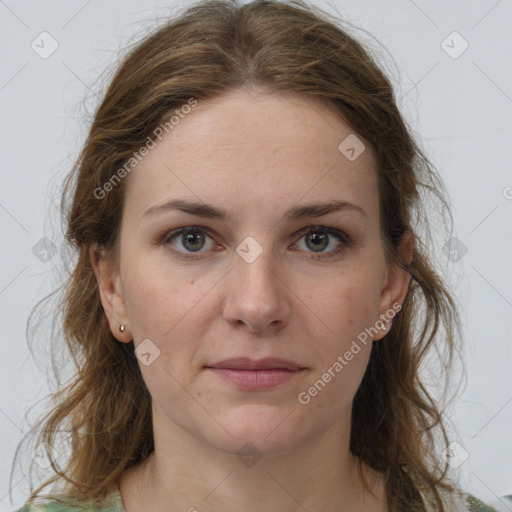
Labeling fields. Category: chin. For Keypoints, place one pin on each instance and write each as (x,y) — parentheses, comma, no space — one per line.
(263,432)
(256,445)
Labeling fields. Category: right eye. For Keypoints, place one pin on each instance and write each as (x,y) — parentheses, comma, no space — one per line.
(190,238)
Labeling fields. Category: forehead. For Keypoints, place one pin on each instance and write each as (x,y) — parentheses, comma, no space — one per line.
(247,149)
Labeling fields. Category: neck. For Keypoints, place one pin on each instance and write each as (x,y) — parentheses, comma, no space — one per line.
(185,473)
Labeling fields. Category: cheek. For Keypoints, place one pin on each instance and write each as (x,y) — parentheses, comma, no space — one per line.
(170,309)
(357,306)
(347,309)
(349,305)
(162,313)
(156,299)
(147,301)
(342,356)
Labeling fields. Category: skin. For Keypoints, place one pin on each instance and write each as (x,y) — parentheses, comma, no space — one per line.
(256,156)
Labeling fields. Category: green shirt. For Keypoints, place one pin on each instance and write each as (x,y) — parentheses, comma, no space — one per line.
(114,503)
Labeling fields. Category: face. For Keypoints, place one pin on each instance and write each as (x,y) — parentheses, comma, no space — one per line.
(269,280)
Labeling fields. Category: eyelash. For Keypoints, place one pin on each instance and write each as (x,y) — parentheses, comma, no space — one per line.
(342,237)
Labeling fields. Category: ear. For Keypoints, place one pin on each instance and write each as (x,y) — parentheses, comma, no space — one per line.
(396,286)
(111,293)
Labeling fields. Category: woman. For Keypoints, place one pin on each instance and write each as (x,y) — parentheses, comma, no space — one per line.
(250,276)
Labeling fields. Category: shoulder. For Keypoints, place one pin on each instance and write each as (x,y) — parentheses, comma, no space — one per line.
(462,501)
(476,505)
(111,503)
(51,506)
(56,506)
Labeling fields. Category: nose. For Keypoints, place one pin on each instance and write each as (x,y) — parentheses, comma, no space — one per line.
(257,294)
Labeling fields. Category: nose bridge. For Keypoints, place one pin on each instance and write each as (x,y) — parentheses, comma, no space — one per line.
(255,295)
(256,267)
(260,270)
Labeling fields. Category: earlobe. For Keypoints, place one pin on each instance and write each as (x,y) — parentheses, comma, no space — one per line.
(111,293)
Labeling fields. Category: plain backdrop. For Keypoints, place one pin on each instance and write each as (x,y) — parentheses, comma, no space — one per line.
(451,65)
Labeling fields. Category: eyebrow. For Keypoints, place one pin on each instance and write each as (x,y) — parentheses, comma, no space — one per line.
(212,212)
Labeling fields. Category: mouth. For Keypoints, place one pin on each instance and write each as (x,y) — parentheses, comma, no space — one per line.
(244,363)
(261,374)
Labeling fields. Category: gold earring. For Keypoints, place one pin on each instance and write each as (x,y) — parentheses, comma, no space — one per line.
(122,328)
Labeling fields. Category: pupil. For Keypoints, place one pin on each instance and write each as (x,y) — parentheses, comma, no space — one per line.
(318,238)
(189,237)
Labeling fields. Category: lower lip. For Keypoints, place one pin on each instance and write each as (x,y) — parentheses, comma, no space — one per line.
(255,379)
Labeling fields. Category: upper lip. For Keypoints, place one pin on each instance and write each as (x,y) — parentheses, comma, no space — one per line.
(244,363)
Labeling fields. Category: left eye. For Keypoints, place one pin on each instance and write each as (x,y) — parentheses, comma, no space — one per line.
(319,239)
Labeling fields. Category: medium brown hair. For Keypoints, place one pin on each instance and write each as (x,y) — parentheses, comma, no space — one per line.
(277,47)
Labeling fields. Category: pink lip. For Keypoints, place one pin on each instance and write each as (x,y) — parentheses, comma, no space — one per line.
(244,363)
(261,374)
(255,379)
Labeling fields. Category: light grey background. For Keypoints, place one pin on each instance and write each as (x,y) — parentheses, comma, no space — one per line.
(459,104)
